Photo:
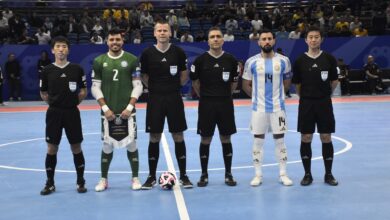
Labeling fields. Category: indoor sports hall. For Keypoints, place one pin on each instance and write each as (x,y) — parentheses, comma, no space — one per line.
(361,166)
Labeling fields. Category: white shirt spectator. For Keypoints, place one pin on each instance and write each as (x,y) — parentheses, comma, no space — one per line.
(228,37)
(294,35)
(187,38)
(7,14)
(96,39)
(43,38)
(257,24)
(3,23)
(231,24)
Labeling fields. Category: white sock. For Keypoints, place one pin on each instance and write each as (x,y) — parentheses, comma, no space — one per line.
(281,155)
(257,155)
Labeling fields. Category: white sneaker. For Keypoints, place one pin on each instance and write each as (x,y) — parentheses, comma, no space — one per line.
(285,180)
(136,184)
(102,185)
(256,181)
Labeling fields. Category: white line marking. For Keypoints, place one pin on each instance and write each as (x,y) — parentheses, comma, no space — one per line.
(181,205)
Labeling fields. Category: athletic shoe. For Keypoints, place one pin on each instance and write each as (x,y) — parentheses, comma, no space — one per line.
(229,180)
(48,189)
(256,181)
(81,188)
(102,185)
(329,179)
(204,180)
(185,182)
(285,180)
(136,184)
(149,183)
(307,179)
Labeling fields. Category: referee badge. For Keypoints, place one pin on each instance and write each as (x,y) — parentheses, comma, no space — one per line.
(72,86)
(324,75)
(173,70)
(225,76)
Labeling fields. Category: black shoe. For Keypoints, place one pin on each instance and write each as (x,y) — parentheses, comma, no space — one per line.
(81,187)
(149,183)
(307,179)
(204,180)
(329,179)
(185,182)
(229,180)
(49,188)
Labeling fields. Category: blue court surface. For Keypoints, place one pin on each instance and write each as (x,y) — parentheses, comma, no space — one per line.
(361,165)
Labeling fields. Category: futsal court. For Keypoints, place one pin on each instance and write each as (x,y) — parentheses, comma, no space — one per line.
(361,165)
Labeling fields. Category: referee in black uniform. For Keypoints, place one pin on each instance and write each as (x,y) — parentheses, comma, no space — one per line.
(164,71)
(63,87)
(315,76)
(214,76)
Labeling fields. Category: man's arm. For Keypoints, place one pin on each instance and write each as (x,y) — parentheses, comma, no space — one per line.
(247,87)
(183,77)
(98,95)
(196,86)
(145,79)
(298,89)
(44,96)
(286,84)
(333,84)
(135,94)
(82,94)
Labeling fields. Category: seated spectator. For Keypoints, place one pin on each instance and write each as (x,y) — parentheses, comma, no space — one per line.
(245,24)
(200,36)
(172,21)
(295,34)
(257,23)
(282,33)
(182,19)
(360,32)
(48,24)
(137,37)
(72,26)
(228,36)
(373,76)
(146,20)
(25,38)
(42,37)
(343,76)
(186,37)
(3,27)
(98,28)
(254,35)
(96,39)
(356,23)
(231,24)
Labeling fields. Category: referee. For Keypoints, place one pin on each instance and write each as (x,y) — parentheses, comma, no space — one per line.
(63,87)
(214,75)
(315,76)
(164,71)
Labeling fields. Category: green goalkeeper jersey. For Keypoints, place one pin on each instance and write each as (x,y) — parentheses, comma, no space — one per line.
(116,75)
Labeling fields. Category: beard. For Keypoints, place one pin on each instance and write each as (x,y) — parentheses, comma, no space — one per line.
(267,49)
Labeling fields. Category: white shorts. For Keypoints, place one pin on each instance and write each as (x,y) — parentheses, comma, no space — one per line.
(263,122)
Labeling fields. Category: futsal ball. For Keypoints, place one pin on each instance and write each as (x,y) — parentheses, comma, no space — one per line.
(167,180)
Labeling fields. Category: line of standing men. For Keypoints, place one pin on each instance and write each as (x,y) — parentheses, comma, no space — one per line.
(117,86)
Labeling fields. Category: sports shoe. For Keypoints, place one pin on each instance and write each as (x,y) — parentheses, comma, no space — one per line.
(329,179)
(81,188)
(48,189)
(102,185)
(285,180)
(136,184)
(185,182)
(256,181)
(229,180)
(204,180)
(307,179)
(149,183)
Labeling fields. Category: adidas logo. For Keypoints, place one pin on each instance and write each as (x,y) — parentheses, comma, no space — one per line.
(314,65)
(152,158)
(203,157)
(164,60)
(216,65)
(182,157)
(283,129)
(63,75)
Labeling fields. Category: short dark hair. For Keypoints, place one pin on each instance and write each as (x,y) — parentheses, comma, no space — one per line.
(214,28)
(314,28)
(265,30)
(115,31)
(59,39)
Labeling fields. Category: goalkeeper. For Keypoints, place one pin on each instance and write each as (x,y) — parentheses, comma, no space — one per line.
(117,86)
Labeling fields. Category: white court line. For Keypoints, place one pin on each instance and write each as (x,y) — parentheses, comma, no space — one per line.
(181,205)
(348,146)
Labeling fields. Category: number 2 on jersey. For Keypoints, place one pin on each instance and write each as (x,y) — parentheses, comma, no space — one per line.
(115,77)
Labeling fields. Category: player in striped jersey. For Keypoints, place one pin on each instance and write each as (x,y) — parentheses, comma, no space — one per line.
(266,76)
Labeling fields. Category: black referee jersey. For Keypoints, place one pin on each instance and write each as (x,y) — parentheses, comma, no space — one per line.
(215,73)
(163,68)
(315,75)
(63,84)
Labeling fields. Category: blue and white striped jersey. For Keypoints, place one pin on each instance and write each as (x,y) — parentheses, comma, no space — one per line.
(267,75)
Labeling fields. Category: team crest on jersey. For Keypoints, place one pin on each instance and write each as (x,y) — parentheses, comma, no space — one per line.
(173,70)
(72,86)
(225,76)
(277,67)
(124,63)
(324,75)
(105,64)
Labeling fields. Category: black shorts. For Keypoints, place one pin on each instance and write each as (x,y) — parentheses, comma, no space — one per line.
(165,105)
(314,112)
(214,111)
(69,119)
